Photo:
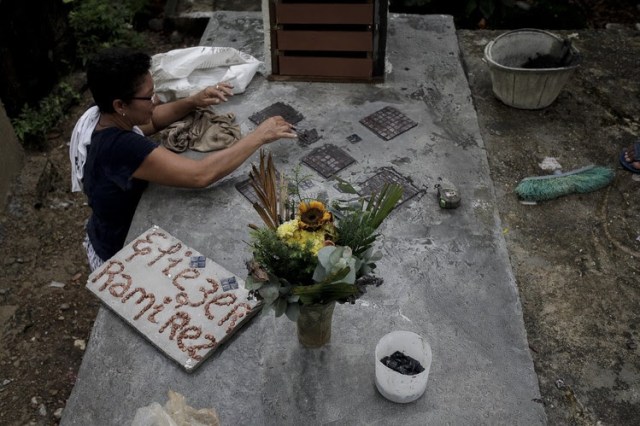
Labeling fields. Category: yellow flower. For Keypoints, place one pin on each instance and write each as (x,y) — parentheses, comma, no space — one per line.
(315,238)
(313,215)
(291,233)
(286,230)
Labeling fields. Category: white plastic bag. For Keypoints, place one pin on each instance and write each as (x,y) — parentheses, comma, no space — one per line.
(152,415)
(175,412)
(182,72)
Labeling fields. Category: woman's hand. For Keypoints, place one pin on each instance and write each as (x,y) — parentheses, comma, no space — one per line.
(166,114)
(274,128)
(212,95)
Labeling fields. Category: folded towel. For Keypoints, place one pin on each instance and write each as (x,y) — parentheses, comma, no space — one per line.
(202,130)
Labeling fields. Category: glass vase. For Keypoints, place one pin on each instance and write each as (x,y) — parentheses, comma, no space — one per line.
(314,324)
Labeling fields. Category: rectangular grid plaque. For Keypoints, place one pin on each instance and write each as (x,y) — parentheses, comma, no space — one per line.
(246,189)
(279,108)
(328,160)
(388,123)
(387,175)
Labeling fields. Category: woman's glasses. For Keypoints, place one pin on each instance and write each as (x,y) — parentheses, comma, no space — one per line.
(153,98)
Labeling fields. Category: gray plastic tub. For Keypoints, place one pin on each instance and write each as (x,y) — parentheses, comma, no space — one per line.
(528,88)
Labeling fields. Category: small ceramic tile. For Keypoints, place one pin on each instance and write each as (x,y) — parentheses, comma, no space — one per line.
(304,184)
(354,138)
(307,137)
(229,283)
(198,261)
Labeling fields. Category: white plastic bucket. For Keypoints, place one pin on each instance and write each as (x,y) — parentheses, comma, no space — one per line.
(395,386)
(527,88)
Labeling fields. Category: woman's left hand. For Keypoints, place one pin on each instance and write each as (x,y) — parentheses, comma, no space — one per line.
(213,95)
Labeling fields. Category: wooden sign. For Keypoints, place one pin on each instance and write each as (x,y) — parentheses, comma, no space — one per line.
(184,303)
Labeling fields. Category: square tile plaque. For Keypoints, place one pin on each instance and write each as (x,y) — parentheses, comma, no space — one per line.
(279,108)
(186,312)
(328,160)
(387,175)
(388,123)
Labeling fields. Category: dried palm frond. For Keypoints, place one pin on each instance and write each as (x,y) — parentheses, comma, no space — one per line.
(264,180)
(284,200)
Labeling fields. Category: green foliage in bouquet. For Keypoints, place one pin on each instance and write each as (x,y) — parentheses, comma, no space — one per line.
(316,255)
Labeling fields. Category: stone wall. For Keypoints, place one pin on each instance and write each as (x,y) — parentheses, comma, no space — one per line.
(12,155)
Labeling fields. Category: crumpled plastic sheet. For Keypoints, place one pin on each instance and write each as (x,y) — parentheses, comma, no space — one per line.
(182,72)
(175,412)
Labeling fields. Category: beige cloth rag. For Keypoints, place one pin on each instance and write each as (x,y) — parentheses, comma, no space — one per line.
(202,130)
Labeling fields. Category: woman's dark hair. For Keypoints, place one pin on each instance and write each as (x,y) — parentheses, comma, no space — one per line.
(116,73)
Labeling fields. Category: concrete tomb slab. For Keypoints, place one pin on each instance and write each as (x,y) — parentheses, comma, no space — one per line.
(447,272)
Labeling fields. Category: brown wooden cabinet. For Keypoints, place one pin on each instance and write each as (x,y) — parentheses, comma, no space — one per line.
(328,40)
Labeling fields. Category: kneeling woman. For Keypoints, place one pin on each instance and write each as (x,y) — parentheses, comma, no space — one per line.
(121,160)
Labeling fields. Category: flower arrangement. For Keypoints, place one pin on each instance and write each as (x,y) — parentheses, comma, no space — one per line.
(311,253)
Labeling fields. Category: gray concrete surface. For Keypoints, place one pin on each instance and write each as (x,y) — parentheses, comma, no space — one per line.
(447,273)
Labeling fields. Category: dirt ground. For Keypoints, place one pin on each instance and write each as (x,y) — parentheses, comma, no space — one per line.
(576,259)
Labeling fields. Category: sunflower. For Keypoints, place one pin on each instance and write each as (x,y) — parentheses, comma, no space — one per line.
(313,215)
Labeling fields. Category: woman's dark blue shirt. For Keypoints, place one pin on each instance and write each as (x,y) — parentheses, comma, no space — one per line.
(112,158)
